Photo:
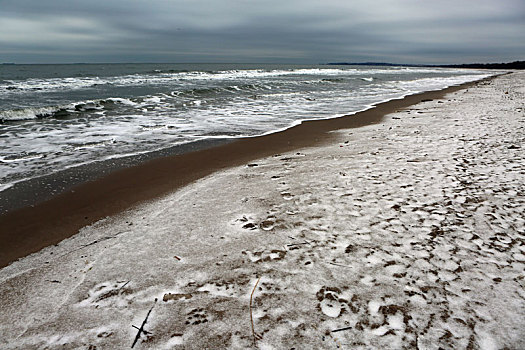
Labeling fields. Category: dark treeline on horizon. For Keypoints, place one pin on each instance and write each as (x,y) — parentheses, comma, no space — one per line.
(509,65)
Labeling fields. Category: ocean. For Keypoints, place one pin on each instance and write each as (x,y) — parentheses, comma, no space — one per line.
(56,117)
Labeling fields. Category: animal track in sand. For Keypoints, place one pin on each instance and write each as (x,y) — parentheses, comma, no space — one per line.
(247,223)
(268,286)
(108,293)
(196,317)
(265,255)
(221,289)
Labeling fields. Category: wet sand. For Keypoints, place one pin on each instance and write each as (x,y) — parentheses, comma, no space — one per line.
(29,229)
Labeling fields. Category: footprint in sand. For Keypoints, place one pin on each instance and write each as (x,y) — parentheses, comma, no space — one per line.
(268,224)
(176,296)
(331,303)
(286,195)
(176,339)
(247,223)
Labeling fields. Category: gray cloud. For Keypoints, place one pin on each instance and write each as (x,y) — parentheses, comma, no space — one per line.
(304,31)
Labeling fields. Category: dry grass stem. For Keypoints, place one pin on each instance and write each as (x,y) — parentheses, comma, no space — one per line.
(255,335)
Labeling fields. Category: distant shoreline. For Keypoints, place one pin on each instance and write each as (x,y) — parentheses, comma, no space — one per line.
(509,65)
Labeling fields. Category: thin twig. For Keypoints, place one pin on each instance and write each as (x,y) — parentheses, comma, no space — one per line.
(94,242)
(341,329)
(141,329)
(294,244)
(125,284)
(251,315)
(336,264)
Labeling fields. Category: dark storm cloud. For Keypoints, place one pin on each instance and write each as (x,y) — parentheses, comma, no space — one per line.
(261,31)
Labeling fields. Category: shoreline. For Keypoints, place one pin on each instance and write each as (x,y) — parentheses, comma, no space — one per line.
(33,191)
(64,214)
(404,233)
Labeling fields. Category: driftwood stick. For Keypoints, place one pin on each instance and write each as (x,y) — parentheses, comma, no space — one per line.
(141,329)
(294,244)
(341,329)
(125,284)
(255,336)
(336,264)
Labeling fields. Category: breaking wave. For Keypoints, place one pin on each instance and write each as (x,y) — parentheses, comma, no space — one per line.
(167,77)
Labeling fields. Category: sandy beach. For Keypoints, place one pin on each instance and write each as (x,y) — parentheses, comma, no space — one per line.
(58,216)
(403,230)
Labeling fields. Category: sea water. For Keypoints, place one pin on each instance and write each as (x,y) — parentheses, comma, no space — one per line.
(54,117)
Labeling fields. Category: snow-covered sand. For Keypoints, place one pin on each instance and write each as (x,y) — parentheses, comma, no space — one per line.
(405,234)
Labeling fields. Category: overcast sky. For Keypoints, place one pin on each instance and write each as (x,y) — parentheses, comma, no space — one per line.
(288,31)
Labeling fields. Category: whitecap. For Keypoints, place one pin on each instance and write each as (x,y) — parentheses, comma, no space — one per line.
(26,113)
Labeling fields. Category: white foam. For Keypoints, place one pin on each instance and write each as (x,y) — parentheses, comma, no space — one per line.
(20,158)
(26,113)
(124,101)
